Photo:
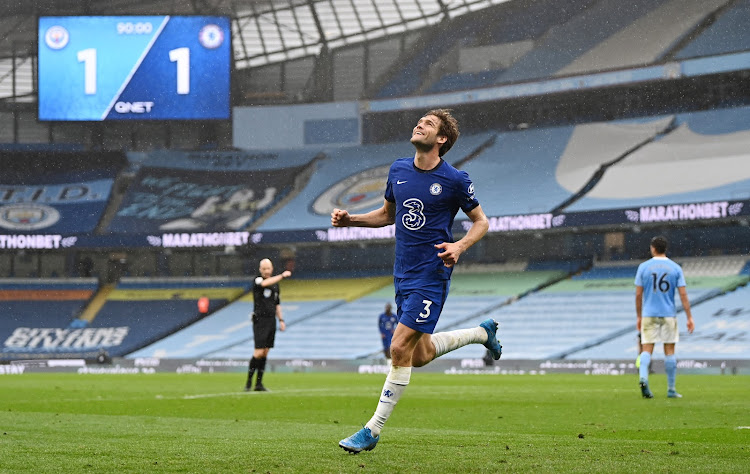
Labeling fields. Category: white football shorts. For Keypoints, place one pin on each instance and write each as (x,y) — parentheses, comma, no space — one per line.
(655,330)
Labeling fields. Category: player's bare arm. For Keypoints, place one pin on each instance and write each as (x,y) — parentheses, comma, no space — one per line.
(638,306)
(384,216)
(686,306)
(451,251)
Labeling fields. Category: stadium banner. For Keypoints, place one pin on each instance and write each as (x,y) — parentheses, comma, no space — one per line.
(34,343)
(668,71)
(196,200)
(227,161)
(86,365)
(654,214)
(55,192)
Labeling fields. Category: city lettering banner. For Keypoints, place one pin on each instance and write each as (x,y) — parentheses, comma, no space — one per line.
(168,200)
(55,342)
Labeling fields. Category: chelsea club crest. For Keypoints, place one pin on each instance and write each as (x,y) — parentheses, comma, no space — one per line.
(436,189)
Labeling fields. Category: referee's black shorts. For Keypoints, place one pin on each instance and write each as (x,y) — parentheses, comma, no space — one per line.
(264,332)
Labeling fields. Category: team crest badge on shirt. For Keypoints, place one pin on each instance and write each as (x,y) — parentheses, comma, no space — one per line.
(436,189)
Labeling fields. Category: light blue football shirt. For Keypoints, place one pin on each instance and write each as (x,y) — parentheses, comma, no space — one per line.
(659,278)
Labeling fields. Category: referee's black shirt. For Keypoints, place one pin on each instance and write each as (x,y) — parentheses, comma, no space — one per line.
(265,299)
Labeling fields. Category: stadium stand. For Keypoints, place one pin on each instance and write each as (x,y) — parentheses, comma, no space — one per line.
(727,33)
(306,305)
(56,192)
(541,168)
(338,318)
(595,306)
(501,41)
(721,333)
(707,150)
(578,37)
(676,157)
(146,310)
(354,178)
(39,316)
(563,43)
(715,288)
(646,39)
(175,191)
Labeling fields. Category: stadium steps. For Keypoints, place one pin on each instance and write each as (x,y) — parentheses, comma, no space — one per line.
(726,287)
(119,190)
(338,291)
(96,303)
(520,284)
(698,30)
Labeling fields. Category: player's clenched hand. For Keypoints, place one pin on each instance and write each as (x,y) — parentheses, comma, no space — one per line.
(340,218)
(449,255)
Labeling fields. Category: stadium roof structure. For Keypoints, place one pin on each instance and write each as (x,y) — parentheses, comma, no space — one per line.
(264,31)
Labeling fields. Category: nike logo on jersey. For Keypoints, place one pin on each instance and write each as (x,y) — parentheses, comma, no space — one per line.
(400,182)
(420,320)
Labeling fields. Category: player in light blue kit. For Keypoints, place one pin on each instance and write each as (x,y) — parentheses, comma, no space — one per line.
(422,197)
(655,284)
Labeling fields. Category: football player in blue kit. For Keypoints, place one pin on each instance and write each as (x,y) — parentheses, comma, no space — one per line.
(655,283)
(422,197)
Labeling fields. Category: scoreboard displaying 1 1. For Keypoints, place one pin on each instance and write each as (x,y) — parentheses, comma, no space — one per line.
(93,68)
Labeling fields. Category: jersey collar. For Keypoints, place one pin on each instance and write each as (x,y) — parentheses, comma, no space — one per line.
(420,170)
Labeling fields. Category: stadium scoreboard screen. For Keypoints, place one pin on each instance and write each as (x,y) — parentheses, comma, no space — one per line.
(94,68)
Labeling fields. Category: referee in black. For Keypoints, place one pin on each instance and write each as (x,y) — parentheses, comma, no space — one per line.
(266,311)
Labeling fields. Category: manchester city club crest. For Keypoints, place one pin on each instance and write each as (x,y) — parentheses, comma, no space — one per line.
(56,37)
(358,192)
(435,189)
(28,216)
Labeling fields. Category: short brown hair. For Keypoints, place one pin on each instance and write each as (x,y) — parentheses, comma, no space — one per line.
(448,128)
(659,243)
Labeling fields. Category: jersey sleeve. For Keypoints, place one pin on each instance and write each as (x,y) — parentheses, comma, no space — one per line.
(680,277)
(639,275)
(258,280)
(466,198)
(389,187)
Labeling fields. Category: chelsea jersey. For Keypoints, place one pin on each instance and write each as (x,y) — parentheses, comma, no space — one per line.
(426,204)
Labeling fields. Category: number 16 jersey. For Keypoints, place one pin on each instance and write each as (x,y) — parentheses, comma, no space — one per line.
(659,278)
(426,204)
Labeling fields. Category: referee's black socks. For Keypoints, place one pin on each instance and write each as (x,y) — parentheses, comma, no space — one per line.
(251,370)
(261,365)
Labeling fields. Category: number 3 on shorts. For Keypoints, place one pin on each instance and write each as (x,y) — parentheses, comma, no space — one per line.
(426,313)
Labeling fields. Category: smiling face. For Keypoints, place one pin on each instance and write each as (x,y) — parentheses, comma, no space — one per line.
(425,135)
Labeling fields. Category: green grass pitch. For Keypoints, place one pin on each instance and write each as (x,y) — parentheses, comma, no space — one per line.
(443,423)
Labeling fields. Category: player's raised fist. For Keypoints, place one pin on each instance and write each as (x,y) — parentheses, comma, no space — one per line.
(339,218)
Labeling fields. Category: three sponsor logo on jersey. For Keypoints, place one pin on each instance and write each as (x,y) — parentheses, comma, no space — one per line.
(364,190)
